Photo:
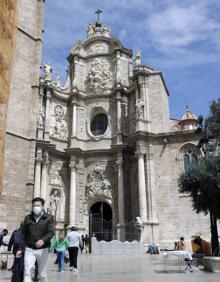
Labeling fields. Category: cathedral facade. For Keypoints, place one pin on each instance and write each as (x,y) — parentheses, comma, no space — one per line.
(108,155)
(101,149)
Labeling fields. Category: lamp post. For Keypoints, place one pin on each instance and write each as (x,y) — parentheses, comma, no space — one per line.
(207,148)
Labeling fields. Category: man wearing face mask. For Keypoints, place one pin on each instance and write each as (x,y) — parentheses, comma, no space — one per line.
(37,231)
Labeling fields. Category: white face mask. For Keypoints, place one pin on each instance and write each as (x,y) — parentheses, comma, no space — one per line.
(37,210)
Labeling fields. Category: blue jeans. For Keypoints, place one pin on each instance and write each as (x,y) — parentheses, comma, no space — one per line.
(60,259)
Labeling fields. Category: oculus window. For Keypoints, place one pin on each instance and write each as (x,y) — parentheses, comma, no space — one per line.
(99,124)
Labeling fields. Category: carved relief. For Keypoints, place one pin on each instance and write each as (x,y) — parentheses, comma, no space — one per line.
(99,78)
(59,130)
(97,184)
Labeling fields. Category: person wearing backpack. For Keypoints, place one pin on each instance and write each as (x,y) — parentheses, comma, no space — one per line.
(61,244)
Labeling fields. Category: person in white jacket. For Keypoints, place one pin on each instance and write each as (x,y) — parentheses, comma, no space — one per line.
(75,241)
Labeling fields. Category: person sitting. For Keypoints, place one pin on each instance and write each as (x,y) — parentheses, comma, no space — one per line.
(180,245)
(205,248)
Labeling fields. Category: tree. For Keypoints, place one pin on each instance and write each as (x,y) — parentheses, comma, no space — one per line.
(202,183)
(213,120)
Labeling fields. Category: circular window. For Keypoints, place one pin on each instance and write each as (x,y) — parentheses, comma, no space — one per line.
(99,124)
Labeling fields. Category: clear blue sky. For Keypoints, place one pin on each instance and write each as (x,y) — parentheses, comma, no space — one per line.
(179,38)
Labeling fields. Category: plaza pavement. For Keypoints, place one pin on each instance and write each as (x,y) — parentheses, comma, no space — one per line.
(121,268)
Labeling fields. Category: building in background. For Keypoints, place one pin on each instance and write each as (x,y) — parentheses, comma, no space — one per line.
(108,154)
(21,24)
(102,148)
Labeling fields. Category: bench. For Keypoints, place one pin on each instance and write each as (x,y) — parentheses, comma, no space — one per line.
(211,263)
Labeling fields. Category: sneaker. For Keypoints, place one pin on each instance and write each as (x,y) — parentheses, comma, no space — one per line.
(71,268)
(75,270)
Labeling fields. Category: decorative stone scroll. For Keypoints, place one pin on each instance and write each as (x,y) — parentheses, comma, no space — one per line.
(59,130)
(99,78)
(97,184)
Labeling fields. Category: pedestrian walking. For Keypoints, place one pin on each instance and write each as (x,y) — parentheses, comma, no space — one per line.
(18,264)
(75,241)
(82,247)
(87,243)
(61,244)
(37,231)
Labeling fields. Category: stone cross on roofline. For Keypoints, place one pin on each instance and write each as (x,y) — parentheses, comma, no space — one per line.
(98,12)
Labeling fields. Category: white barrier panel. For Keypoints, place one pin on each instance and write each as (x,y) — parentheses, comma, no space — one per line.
(116,247)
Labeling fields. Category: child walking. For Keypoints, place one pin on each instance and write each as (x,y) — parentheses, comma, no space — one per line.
(61,244)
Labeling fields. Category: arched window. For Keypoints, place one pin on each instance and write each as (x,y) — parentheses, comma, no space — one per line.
(189,158)
(99,124)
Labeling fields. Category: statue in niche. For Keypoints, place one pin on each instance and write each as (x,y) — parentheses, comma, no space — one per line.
(55,178)
(63,130)
(55,196)
(139,109)
(137,58)
(106,31)
(41,117)
(59,130)
(90,31)
(97,184)
(47,72)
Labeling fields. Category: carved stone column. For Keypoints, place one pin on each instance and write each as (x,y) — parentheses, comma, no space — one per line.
(142,187)
(47,115)
(44,178)
(74,118)
(37,178)
(72,203)
(121,213)
(119,133)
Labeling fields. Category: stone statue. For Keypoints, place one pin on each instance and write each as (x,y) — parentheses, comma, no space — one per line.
(54,200)
(106,31)
(139,109)
(47,72)
(63,130)
(137,58)
(41,116)
(139,221)
(90,31)
(58,81)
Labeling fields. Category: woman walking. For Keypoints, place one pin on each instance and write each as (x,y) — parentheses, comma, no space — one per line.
(61,244)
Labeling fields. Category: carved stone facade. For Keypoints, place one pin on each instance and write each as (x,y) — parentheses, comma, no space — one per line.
(112,150)
(110,124)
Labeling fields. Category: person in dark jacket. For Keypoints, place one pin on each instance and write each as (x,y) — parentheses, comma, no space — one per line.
(18,264)
(3,233)
(37,231)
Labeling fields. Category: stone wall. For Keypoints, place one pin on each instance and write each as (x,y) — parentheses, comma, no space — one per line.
(22,114)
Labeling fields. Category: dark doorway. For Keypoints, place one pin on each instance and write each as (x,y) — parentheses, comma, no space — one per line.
(100,221)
